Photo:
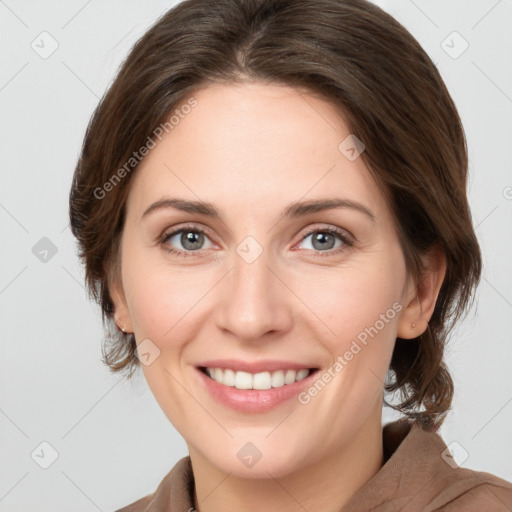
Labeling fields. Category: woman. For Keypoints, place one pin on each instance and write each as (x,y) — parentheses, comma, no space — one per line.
(271,207)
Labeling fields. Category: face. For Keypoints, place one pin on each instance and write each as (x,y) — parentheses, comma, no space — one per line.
(258,287)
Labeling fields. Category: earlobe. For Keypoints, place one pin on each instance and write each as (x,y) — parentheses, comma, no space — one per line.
(410,324)
(121,312)
(422,298)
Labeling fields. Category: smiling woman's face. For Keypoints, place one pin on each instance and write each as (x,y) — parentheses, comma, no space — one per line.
(259,286)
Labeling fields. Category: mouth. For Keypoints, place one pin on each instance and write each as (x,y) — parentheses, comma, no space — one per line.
(260,380)
(257,392)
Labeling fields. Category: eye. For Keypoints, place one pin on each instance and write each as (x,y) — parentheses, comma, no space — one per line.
(191,239)
(323,241)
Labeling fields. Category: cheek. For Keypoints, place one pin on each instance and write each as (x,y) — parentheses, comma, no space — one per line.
(361,307)
(348,300)
(164,301)
(357,306)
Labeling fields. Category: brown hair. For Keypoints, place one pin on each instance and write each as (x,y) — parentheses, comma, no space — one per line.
(348,52)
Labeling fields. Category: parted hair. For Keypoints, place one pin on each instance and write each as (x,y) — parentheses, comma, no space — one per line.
(358,58)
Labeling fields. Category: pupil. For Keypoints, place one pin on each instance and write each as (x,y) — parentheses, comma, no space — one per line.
(189,238)
(324,237)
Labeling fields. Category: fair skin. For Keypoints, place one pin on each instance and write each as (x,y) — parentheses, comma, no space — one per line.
(251,150)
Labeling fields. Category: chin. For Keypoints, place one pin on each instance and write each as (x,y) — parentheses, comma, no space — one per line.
(248,462)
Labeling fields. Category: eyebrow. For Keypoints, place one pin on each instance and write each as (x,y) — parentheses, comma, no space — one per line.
(293,210)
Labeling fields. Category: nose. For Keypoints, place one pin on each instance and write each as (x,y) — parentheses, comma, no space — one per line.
(255,301)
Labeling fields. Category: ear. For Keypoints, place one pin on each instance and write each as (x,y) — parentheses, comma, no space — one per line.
(421,297)
(121,312)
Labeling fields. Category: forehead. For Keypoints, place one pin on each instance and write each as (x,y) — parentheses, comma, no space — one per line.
(254,144)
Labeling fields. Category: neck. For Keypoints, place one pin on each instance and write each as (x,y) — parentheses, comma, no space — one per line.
(326,485)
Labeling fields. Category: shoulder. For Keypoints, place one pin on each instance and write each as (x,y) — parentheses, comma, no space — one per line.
(419,473)
(457,488)
(472,491)
(137,506)
(176,489)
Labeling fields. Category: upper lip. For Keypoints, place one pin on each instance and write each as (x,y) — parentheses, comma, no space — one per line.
(265,365)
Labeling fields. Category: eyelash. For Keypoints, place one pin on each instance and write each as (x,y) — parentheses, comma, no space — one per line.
(347,241)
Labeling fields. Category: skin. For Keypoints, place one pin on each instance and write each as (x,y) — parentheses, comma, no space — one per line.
(250,150)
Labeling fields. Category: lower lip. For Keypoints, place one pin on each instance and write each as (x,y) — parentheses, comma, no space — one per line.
(253,400)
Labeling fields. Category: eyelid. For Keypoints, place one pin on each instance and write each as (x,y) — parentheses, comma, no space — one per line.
(345,236)
(319,227)
(173,231)
(303,233)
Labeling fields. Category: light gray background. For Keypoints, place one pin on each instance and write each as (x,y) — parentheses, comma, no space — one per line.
(114,443)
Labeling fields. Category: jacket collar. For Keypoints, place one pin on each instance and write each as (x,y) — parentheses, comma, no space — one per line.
(418,471)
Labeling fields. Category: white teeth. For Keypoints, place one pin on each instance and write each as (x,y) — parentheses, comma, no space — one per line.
(262,380)
(243,380)
(228,378)
(301,374)
(277,379)
(289,376)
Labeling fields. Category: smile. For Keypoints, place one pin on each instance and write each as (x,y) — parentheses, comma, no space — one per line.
(257,392)
(261,380)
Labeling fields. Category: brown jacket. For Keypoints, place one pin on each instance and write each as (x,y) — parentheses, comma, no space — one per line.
(418,475)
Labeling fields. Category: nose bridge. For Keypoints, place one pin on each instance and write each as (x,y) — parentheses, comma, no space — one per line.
(254,300)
